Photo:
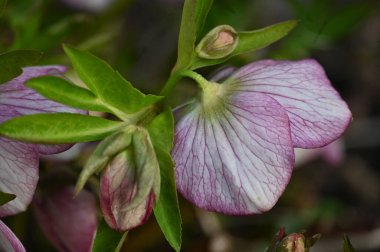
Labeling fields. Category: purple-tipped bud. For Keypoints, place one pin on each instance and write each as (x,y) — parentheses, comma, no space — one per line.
(130,184)
(68,222)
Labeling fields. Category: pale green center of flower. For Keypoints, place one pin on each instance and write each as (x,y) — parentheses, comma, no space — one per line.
(212,95)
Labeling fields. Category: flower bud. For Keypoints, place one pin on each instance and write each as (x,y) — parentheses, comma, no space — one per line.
(68,222)
(293,243)
(218,43)
(130,184)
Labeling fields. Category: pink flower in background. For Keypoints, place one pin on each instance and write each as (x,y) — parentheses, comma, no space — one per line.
(332,154)
(69,222)
(234,147)
(19,161)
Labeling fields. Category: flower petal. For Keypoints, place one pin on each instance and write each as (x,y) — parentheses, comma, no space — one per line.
(69,222)
(48,149)
(18,174)
(8,241)
(16,99)
(236,161)
(317,113)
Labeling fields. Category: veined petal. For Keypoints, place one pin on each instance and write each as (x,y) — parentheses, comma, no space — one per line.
(119,188)
(18,174)
(48,149)
(317,113)
(237,160)
(69,222)
(17,100)
(8,241)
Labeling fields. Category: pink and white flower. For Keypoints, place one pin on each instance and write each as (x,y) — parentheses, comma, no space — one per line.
(19,161)
(68,221)
(234,147)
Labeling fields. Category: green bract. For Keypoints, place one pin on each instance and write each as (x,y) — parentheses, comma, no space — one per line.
(104,152)
(193,17)
(166,210)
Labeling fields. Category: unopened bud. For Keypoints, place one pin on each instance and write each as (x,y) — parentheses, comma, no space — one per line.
(218,43)
(130,184)
(293,243)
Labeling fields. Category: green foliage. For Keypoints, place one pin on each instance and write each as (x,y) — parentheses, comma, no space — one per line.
(193,17)
(161,130)
(108,240)
(347,246)
(6,197)
(12,62)
(166,208)
(321,22)
(3,3)
(108,85)
(58,128)
(62,91)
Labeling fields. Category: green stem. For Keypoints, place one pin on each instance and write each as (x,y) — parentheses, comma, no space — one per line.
(170,84)
(174,78)
(197,77)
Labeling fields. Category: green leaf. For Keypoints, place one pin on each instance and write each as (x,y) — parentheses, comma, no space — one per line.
(251,41)
(6,197)
(62,91)
(106,149)
(193,17)
(12,62)
(58,128)
(108,240)
(347,247)
(254,40)
(161,130)
(108,85)
(166,209)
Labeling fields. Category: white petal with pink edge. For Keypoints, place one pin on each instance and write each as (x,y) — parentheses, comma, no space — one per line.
(237,160)
(316,111)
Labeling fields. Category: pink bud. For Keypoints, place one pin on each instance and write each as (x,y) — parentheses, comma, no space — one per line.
(68,222)
(119,185)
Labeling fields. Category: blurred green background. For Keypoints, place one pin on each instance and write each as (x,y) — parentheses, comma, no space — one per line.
(139,39)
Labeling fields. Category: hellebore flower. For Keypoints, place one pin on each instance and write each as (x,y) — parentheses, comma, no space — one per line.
(8,241)
(69,222)
(130,184)
(234,147)
(19,161)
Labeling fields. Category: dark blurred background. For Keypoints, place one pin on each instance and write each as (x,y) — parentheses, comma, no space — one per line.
(333,191)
